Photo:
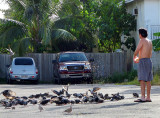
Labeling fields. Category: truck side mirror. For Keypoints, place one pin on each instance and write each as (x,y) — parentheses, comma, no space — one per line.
(91,60)
(54,61)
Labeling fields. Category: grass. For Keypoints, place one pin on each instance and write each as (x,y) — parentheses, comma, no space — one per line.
(155,81)
(129,78)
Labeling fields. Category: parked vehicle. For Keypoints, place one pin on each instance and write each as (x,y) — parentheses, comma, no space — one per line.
(22,69)
(72,65)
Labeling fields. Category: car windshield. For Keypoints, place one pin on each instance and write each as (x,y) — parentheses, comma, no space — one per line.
(23,62)
(72,57)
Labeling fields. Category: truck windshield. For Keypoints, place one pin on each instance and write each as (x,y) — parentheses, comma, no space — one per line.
(72,57)
(23,62)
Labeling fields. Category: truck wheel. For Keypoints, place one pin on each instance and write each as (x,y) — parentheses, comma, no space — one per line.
(90,80)
(58,80)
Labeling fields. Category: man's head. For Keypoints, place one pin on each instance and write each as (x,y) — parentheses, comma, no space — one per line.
(143,33)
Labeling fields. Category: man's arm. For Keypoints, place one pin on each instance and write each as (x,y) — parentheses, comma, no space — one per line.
(138,48)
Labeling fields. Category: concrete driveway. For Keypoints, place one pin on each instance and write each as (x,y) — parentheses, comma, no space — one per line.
(125,108)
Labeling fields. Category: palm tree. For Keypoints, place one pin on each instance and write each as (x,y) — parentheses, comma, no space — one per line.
(29,26)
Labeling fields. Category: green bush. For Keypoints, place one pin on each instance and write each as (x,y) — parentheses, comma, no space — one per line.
(156,80)
(117,78)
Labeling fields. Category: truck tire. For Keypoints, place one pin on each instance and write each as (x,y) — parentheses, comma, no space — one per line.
(90,80)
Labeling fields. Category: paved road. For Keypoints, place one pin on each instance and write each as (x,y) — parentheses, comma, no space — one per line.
(109,109)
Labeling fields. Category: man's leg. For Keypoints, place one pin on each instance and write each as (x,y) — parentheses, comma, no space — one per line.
(142,83)
(148,90)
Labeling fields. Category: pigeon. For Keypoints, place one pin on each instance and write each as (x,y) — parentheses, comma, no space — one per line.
(45,95)
(40,108)
(58,93)
(66,87)
(77,101)
(72,102)
(101,95)
(79,95)
(13,108)
(135,95)
(65,101)
(33,101)
(24,97)
(69,110)
(8,105)
(85,99)
(68,95)
(95,89)
(106,97)
(8,94)
(44,102)
(31,96)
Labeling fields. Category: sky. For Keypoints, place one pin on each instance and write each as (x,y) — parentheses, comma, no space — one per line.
(3,5)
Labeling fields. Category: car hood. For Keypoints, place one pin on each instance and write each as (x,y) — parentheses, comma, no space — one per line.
(73,63)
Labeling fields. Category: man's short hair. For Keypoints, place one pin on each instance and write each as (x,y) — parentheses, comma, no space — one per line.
(143,32)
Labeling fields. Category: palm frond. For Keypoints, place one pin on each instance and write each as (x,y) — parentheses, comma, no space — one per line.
(16,9)
(10,30)
(11,21)
(62,34)
(62,22)
(45,33)
(22,46)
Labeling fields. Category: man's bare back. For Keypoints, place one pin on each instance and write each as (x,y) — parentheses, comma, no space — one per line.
(146,49)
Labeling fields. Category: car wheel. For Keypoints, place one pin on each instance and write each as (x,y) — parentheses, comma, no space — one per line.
(36,81)
(9,81)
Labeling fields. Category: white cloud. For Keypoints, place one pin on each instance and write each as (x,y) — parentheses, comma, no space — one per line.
(3,6)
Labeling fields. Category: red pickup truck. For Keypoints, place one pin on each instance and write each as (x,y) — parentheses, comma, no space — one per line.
(70,66)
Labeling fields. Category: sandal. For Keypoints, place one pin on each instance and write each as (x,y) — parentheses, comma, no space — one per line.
(148,100)
(140,100)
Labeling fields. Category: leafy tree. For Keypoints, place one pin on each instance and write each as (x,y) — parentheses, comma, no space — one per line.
(29,27)
(79,18)
(156,42)
(114,21)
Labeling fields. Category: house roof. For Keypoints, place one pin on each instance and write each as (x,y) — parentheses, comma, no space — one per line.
(128,1)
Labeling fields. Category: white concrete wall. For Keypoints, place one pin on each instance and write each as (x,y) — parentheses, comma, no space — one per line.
(152,12)
(152,16)
(140,17)
(148,15)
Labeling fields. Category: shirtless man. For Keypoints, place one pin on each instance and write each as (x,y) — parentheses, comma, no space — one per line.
(144,49)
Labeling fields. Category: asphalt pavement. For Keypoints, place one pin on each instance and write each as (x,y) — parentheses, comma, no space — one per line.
(125,108)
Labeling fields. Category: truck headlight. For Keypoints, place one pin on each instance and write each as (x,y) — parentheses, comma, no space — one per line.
(63,68)
(88,66)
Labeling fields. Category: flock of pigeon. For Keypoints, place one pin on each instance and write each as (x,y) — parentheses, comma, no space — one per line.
(61,97)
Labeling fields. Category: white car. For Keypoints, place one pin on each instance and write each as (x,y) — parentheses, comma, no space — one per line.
(22,69)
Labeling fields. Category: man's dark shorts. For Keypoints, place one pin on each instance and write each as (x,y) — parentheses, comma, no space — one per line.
(145,69)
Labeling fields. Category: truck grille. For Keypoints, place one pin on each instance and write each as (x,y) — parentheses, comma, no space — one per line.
(71,68)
